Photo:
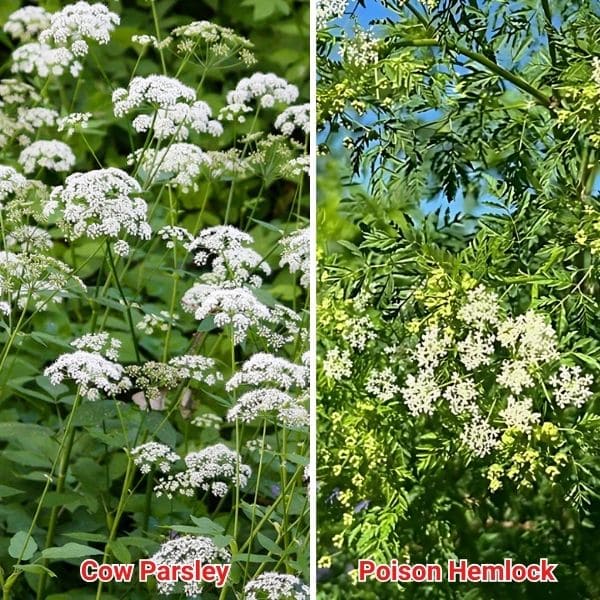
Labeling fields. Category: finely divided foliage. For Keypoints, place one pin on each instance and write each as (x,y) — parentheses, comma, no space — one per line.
(153,299)
(460,341)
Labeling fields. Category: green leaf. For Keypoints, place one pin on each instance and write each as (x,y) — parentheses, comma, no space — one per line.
(120,551)
(22,546)
(70,550)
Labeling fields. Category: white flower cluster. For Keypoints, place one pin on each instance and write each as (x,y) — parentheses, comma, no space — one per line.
(179,165)
(49,154)
(266,88)
(75,23)
(158,91)
(292,118)
(73,122)
(12,183)
(264,403)
(295,252)
(43,60)
(278,391)
(276,586)
(327,10)
(571,388)
(361,50)
(382,384)
(241,310)
(177,120)
(337,364)
(153,454)
(29,239)
(174,108)
(519,414)
(14,92)
(479,436)
(199,368)
(213,469)
(461,395)
(486,343)
(530,338)
(102,343)
(233,263)
(186,550)
(27,23)
(104,202)
(358,332)
(33,118)
(90,371)
(262,368)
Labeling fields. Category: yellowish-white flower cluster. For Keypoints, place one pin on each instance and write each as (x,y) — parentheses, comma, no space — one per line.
(337,364)
(483,344)
(326,10)
(360,50)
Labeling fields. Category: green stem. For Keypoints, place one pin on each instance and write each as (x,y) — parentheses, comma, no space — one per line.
(129,473)
(125,301)
(483,60)
(65,452)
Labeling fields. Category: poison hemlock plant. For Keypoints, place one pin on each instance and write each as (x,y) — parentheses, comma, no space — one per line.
(458,305)
(153,302)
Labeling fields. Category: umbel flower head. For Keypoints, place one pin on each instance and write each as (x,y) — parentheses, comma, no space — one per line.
(35,280)
(49,154)
(267,89)
(213,469)
(270,403)
(186,550)
(295,252)
(101,203)
(292,118)
(11,184)
(241,310)
(262,368)
(153,454)
(276,586)
(89,368)
(26,23)
(77,22)
(179,165)
(174,110)
(43,60)
(212,39)
(233,263)
(457,359)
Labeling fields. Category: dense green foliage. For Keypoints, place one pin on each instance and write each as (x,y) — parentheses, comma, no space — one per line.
(462,140)
(70,485)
